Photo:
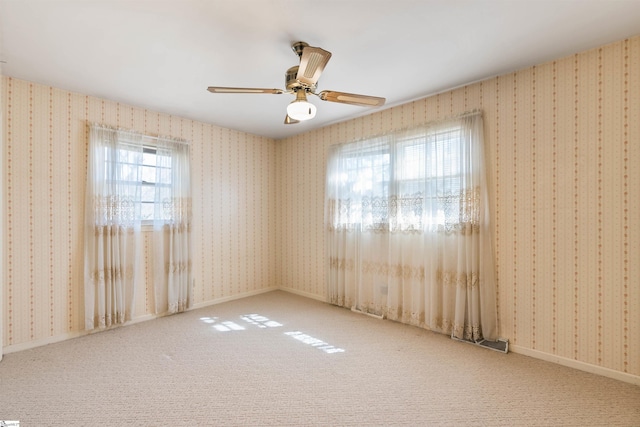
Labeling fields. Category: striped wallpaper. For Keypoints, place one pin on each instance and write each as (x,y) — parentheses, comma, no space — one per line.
(563,141)
(46,156)
(563,149)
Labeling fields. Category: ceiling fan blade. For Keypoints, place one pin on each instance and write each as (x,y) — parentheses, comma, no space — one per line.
(351,98)
(312,63)
(219,89)
(289,121)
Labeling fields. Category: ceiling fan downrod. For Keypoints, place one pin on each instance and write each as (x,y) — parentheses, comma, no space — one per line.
(298,47)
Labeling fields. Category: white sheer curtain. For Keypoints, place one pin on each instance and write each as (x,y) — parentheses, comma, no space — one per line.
(408,233)
(172,227)
(112,225)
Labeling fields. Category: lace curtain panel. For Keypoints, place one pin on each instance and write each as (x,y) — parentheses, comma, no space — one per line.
(135,180)
(408,234)
(172,229)
(112,226)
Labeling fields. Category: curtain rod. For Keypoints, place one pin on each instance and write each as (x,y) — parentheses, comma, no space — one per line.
(466,114)
(155,138)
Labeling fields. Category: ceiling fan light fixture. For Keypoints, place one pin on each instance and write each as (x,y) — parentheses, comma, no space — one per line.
(301,109)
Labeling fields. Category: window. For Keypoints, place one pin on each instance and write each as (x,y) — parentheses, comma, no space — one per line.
(400,183)
(407,231)
(143,178)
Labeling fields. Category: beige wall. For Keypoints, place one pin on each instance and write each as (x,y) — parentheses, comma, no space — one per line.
(45,150)
(563,149)
(563,143)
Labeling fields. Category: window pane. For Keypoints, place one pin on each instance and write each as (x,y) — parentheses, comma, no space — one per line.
(163,175)
(146,211)
(148,174)
(411,161)
(163,161)
(148,193)
(368,174)
(127,172)
(127,156)
(164,193)
(149,158)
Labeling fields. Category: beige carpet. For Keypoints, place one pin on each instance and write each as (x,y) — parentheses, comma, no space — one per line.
(280,359)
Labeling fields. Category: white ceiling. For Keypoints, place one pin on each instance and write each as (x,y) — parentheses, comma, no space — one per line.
(162,54)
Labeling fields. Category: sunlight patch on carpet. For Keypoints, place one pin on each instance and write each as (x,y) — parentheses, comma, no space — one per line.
(260,321)
(314,342)
(264,322)
(228,325)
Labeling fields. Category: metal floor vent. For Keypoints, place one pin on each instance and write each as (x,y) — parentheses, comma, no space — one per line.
(501,345)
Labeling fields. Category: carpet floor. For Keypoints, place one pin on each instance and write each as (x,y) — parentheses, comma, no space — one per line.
(278,359)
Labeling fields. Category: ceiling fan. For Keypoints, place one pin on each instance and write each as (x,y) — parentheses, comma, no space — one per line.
(302,80)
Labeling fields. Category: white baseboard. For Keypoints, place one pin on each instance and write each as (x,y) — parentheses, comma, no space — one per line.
(70,335)
(304,294)
(37,343)
(576,364)
(233,297)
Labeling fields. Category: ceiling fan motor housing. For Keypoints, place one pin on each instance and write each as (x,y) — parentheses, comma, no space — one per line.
(292,83)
